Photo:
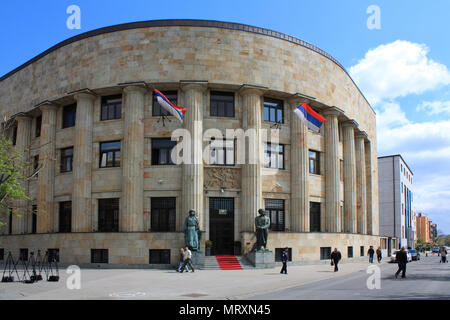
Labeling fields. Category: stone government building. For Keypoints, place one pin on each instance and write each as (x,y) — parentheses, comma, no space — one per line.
(106,190)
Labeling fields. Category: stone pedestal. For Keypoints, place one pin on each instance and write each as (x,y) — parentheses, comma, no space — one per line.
(198,259)
(262,260)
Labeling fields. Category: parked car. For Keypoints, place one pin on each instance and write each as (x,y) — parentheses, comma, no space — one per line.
(436,250)
(415,255)
(408,255)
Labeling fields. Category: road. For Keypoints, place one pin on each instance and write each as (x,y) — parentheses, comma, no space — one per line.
(425,279)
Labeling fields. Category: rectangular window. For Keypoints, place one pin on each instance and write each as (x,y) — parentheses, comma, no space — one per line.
(361,251)
(157,110)
(10,220)
(69,115)
(23,255)
(2,254)
(279,251)
(108,215)
(99,255)
(350,252)
(314,162)
(36,164)
(222,152)
(221,104)
(53,255)
(37,132)
(163,214)
(314,216)
(161,151)
(159,256)
(325,253)
(66,159)
(111,108)
(65,216)
(273,110)
(110,154)
(274,156)
(275,211)
(34,219)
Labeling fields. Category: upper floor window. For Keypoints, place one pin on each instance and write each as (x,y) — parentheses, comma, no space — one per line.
(161,151)
(37,132)
(69,115)
(66,159)
(110,154)
(157,110)
(111,107)
(273,110)
(274,156)
(314,162)
(222,152)
(221,104)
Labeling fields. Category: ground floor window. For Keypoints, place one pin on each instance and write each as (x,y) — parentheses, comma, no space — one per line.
(350,252)
(275,211)
(34,219)
(53,255)
(99,255)
(65,216)
(23,254)
(108,215)
(362,251)
(2,254)
(159,256)
(325,253)
(163,214)
(314,216)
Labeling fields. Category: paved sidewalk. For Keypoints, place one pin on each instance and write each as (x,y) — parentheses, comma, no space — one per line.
(170,285)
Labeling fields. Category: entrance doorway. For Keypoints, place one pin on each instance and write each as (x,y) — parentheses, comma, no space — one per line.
(221,225)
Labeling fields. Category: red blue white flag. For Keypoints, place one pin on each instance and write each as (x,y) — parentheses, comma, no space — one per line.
(309,117)
(176,111)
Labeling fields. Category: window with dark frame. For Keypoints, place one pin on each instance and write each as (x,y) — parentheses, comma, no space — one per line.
(34,219)
(10,221)
(361,251)
(221,104)
(274,156)
(159,256)
(37,132)
(108,215)
(163,214)
(278,254)
(273,110)
(222,152)
(110,154)
(314,162)
(66,159)
(157,110)
(14,137)
(161,151)
(350,252)
(325,253)
(53,255)
(69,115)
(99,255)
(111,108)
(2,254)
(275,210)
(65,216)
(314,216)
(23,254)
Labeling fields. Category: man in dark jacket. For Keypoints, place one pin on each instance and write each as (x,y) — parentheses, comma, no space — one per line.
(402,260)
(335,258)
(371,252)
(284,259)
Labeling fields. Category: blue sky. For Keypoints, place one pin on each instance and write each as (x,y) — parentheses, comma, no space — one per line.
(402,68)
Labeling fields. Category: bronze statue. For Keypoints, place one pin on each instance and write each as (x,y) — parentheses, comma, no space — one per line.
(191,230)
(262,223)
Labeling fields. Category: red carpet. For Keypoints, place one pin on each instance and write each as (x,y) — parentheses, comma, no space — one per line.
(228,263)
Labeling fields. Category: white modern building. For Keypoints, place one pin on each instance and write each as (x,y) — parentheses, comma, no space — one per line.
(395,180)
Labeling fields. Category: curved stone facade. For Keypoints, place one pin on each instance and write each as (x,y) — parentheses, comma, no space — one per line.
(193,60)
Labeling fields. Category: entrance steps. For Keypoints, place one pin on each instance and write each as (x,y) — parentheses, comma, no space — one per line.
(228,262)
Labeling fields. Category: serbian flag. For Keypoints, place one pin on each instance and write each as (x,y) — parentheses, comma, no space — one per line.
(174,110)
(309,117)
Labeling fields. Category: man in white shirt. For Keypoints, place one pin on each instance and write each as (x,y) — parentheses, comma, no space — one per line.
(187,260)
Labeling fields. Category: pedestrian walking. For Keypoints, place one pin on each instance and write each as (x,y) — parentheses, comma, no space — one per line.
(371,252)
(402,260)
(443,255)
(379,255)
(187,256)
(181,261)
(335,258)
(284,260)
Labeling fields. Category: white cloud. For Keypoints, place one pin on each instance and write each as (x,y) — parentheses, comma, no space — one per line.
(396,70)
(434,107)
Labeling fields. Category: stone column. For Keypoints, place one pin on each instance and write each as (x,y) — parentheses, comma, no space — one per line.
(82,164)
(368,157)
(46,179)
(332,179)
(22,146)
(132,154)
(350,216)
(251,169)
(193,171)
(299,172)
(361,183)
